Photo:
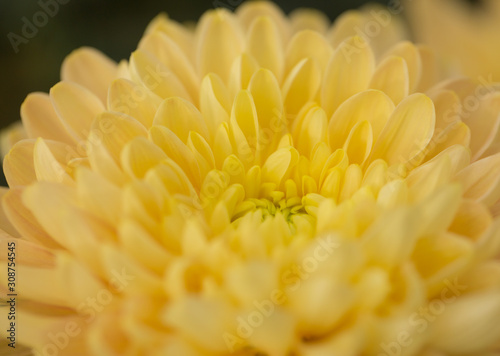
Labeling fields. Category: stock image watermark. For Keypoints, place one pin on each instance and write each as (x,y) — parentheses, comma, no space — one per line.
(31,26)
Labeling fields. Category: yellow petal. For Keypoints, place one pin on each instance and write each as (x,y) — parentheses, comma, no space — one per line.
(451,332)
(279,164)
(181,117)
(112,131)
(99,195)
(177,151)
(91,69)
(140,155)
(76,107)
(301,85)
(40,119)
(309,19)
(391,77)
(409,52)
(141,246)
(348,72)
(482,117)
(312,131)
(248,12)
(241,72)
(219,43)
(391,239)
(307,44)
(24,221)
(264,44)
(151,73)
(18,165)
(481,180)
(28,253)
(133,100)
(214,102)
(171,55)
(408,131)
(358,144)
(371,105)
(174,30)
(49,162)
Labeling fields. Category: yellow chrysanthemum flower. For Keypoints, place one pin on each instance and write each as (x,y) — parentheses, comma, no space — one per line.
(257,185)
(462,36)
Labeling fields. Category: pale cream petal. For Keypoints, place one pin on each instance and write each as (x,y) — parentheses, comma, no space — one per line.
(11,135)
(457,133)
(27,253)
(452,332)
(40,119)
(24,221)
(483,119)
(481,180)
(18,164)
(430,70)
(91,69)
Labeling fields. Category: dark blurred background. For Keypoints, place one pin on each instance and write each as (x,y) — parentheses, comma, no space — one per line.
(113,26)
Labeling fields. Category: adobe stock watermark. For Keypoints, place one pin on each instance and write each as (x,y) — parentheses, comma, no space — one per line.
(291,280)
(421,319)
(88,309)
(30,27)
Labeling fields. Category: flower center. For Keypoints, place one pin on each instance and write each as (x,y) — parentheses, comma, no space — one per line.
(291,209)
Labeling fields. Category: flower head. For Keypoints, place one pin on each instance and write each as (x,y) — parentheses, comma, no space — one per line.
(257,185)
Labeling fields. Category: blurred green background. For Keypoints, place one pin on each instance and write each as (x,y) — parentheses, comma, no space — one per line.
(113,26)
